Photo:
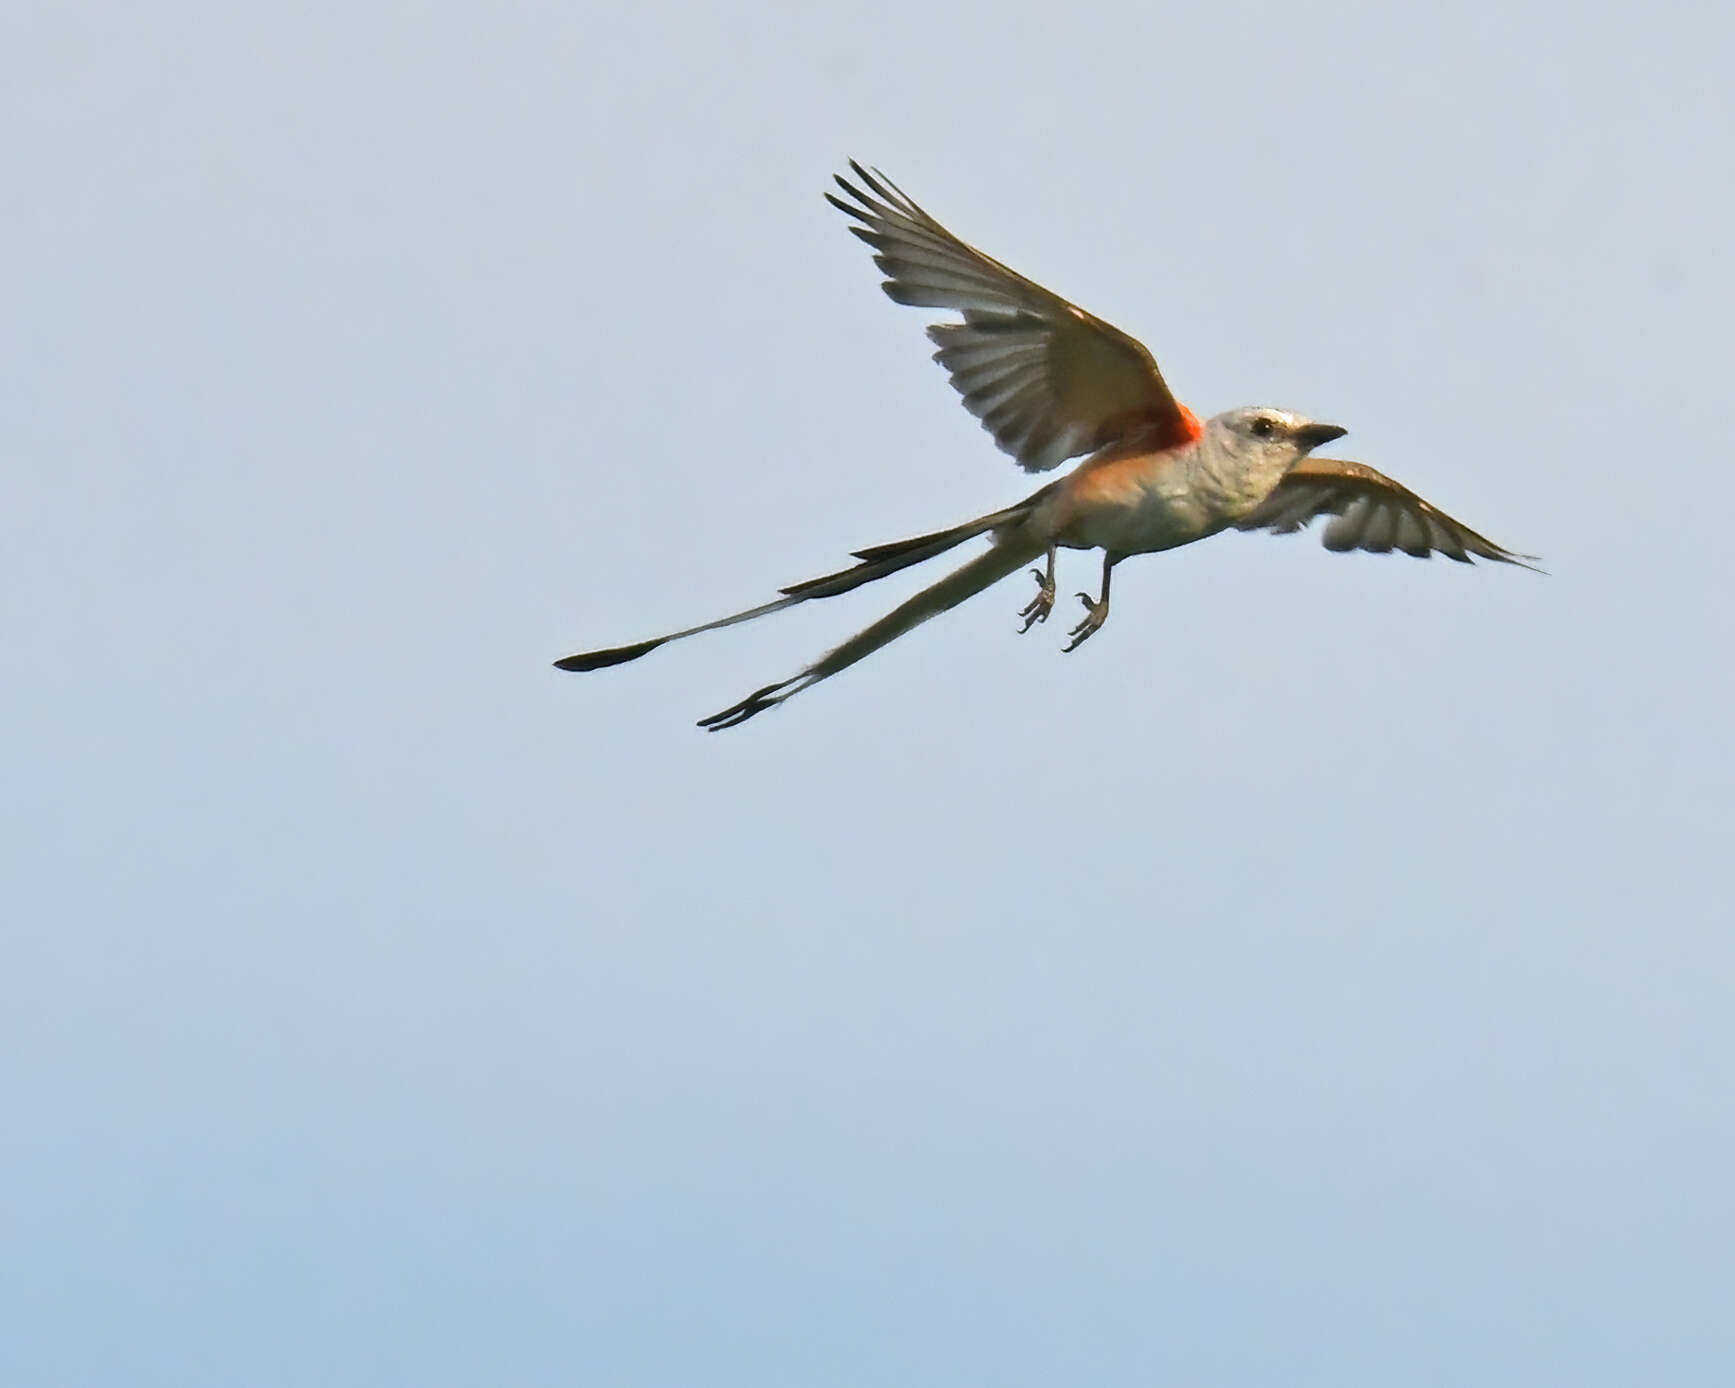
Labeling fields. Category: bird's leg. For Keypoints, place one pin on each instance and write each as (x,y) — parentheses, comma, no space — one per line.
(1043,603)
(1096,613)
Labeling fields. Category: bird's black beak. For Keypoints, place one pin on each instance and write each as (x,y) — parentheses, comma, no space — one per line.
(1312,436)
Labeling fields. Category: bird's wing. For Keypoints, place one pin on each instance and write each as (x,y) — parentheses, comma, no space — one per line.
(1048,380)
(1370,512)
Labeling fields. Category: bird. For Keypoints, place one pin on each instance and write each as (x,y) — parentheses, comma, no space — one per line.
(1051,382)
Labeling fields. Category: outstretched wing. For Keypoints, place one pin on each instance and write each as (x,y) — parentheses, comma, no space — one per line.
(1048,380)
(1371,512)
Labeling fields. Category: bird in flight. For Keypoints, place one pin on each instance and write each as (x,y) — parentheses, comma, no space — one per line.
(1051,382)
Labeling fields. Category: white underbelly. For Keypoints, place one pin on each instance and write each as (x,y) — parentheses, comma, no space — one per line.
(1159,521)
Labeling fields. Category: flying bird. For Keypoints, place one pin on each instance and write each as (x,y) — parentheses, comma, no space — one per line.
(1051,382)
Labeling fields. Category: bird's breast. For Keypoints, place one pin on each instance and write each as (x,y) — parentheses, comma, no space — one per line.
(1132,504)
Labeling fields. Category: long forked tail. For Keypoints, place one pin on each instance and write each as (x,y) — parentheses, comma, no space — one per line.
(1008,555)
(876,562)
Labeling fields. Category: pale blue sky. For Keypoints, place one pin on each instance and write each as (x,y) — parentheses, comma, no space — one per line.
(1323,977)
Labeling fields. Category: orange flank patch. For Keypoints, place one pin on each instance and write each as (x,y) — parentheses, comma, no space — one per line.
(1116,478)
(1154,429)
(1189,427)
(1114,481)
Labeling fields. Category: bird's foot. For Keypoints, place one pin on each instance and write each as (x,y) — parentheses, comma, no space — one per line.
(1040,605)
(1096,613)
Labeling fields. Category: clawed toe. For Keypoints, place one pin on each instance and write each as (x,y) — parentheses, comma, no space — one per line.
(1041,605)
(1096,613)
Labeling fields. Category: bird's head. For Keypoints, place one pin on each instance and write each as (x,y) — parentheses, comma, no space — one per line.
(1276,438)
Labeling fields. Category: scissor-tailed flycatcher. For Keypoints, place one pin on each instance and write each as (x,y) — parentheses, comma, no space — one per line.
(1050,382)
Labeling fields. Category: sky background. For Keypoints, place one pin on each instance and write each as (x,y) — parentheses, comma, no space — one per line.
(1322,977)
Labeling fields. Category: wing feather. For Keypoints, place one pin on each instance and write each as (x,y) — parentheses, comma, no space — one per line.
(1048,380)
(1369,512)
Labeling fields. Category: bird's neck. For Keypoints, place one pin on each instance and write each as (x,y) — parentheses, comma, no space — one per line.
(1234,478)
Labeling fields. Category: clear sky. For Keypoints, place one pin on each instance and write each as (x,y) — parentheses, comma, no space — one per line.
(1325,976)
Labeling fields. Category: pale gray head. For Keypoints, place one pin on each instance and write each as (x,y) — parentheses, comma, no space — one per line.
(1262,431)
(1245,453)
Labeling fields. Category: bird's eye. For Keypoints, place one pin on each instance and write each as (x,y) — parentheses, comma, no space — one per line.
(1264,427)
